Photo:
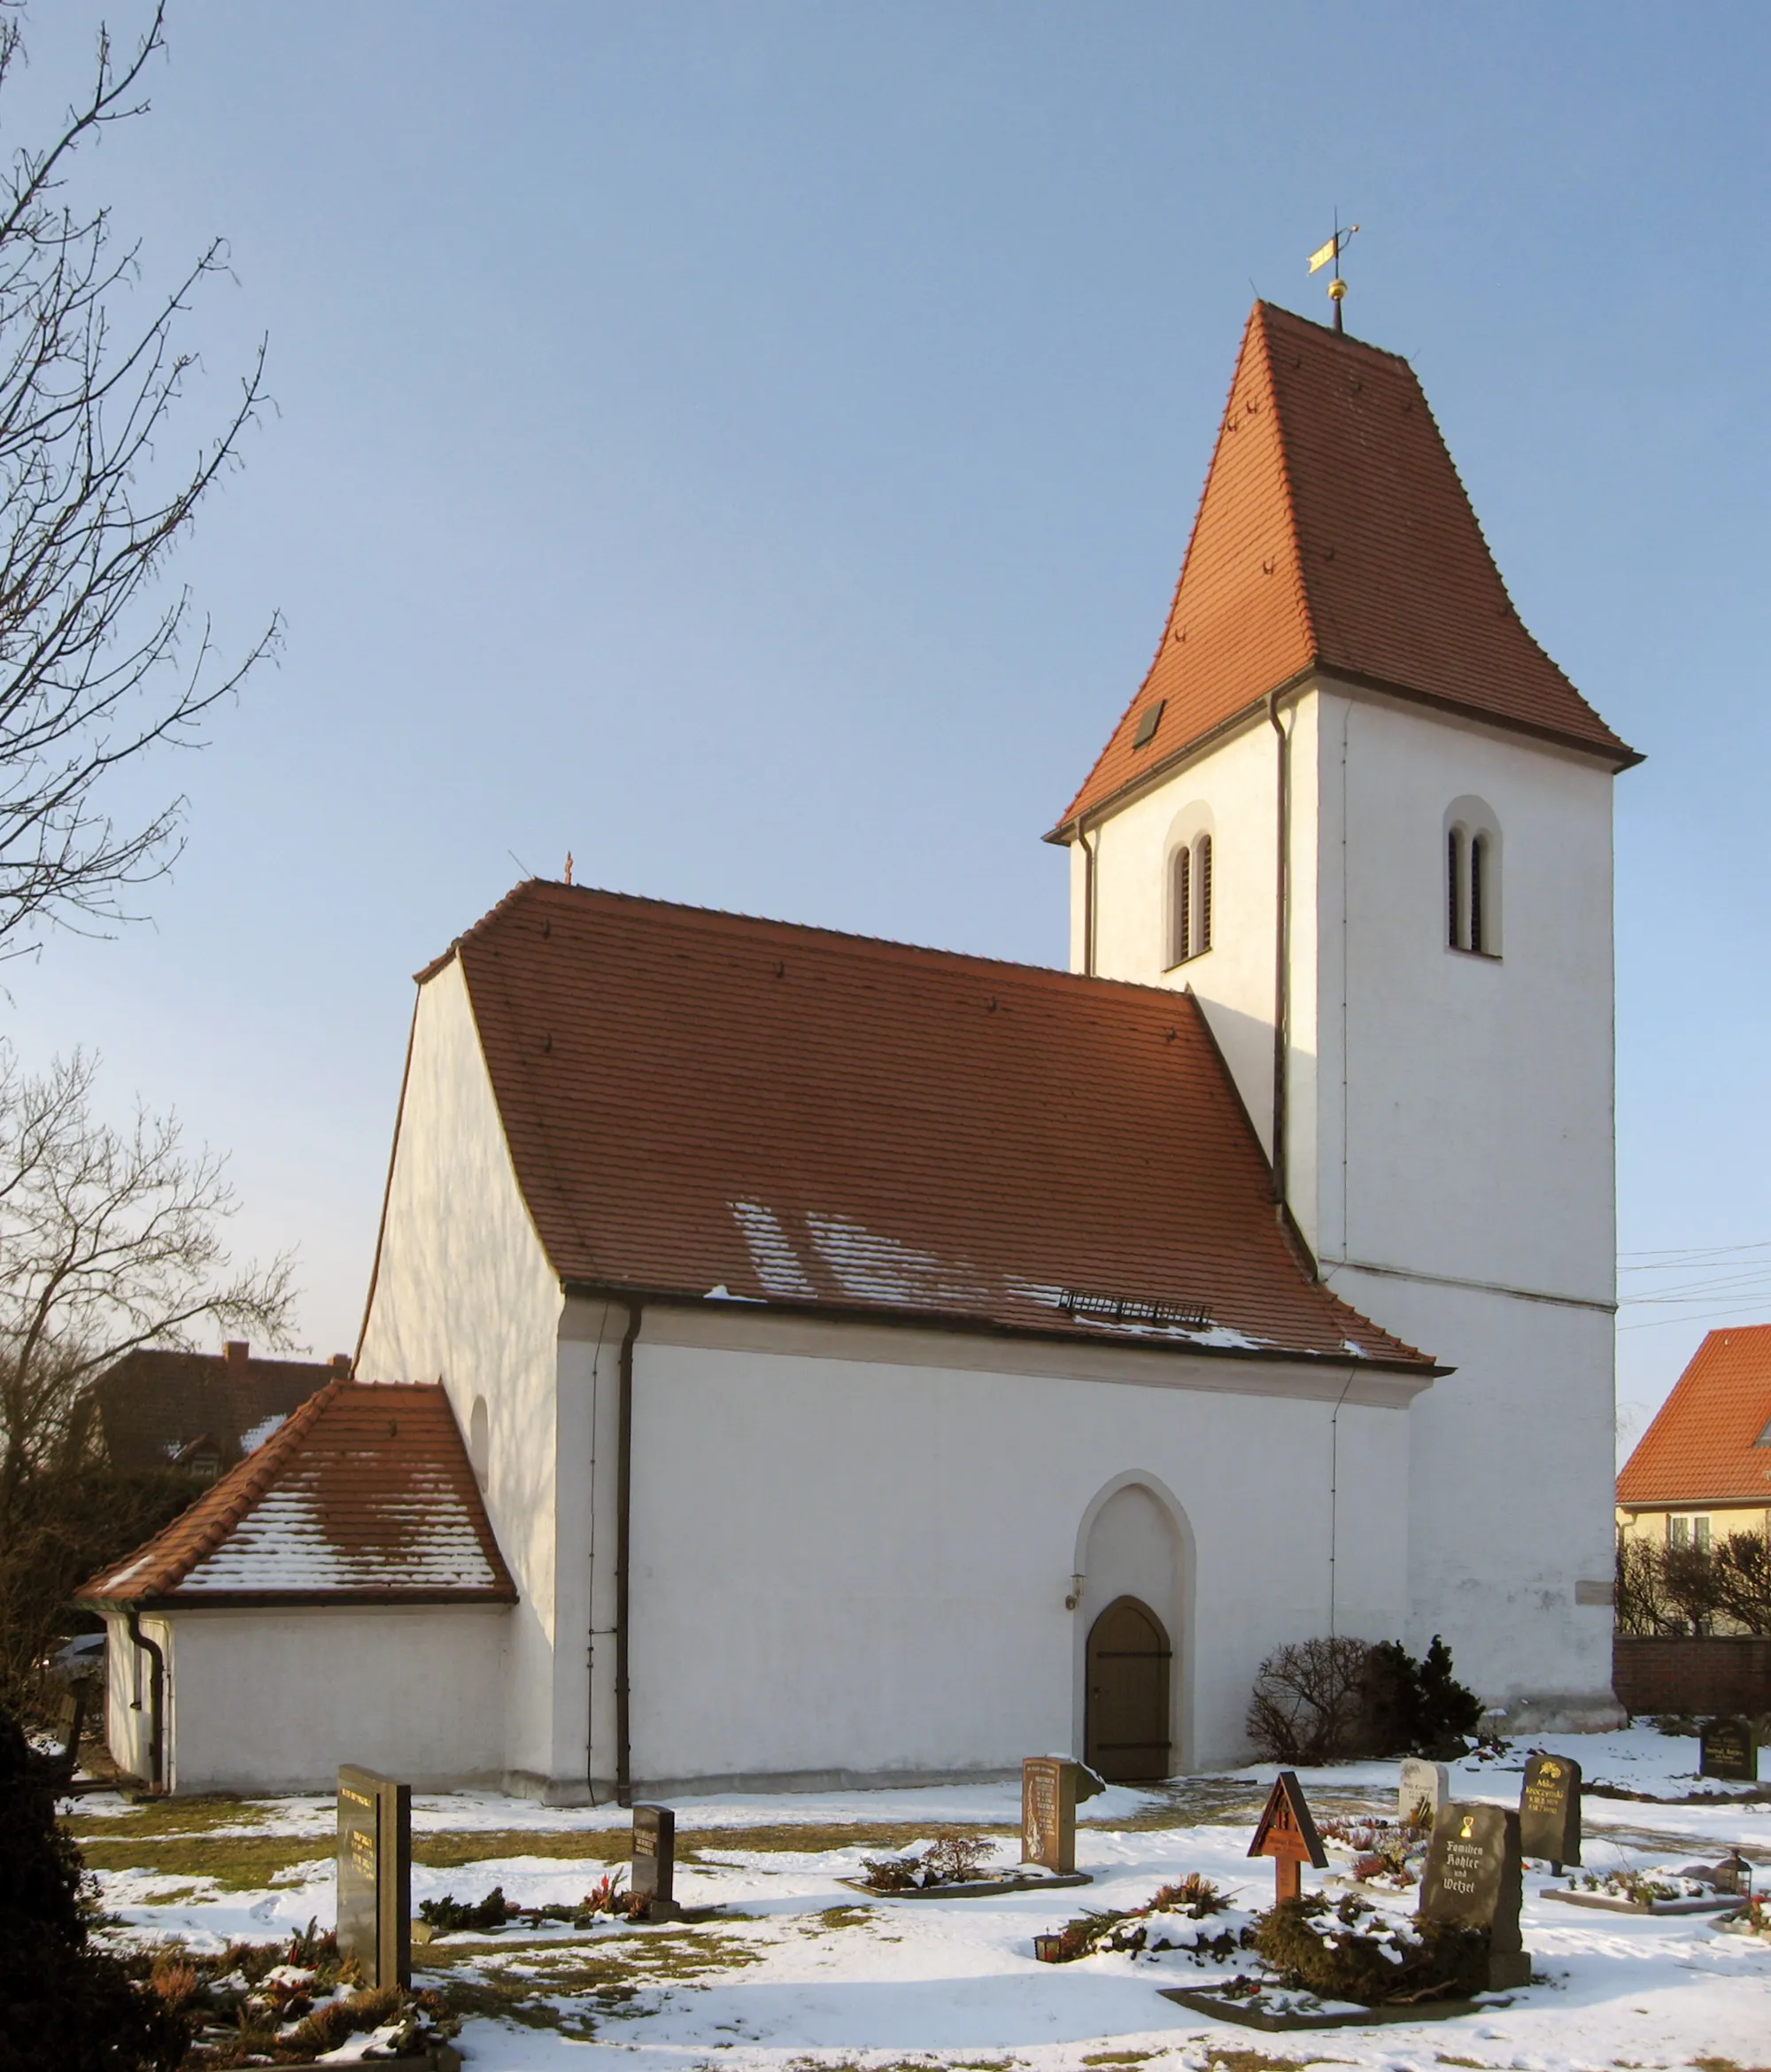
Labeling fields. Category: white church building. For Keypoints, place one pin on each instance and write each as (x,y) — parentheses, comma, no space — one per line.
(791,1357)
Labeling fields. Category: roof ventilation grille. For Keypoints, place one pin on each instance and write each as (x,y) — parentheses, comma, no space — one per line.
(1130,1309)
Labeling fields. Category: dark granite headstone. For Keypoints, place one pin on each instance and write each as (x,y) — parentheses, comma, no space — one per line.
(1729,1748)
(1049,1812)
(375,1875)
(653,1877)
(1550,1811)
(1473,1877)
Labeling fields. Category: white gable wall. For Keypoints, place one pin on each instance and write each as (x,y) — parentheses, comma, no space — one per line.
(464,1293)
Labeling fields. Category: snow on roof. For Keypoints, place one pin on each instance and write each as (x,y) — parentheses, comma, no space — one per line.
(365,1493)
(698,1100)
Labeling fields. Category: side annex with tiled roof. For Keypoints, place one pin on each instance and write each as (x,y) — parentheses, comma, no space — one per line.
(350,1554)
(1702,1470)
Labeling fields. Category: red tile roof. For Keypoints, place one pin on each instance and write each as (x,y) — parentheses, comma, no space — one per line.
(1334,533)
(1710,1442)
(700,1103)
(365,1495)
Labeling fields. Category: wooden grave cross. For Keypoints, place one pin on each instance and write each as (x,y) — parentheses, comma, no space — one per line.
(1287,1833)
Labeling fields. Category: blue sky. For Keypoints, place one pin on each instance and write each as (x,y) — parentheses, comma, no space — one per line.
(751,445)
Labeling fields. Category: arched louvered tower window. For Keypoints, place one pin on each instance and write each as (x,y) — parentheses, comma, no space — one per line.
(1191,884)
(1180,907)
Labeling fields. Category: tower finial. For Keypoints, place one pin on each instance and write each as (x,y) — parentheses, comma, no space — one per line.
(1322,255)
(568,867)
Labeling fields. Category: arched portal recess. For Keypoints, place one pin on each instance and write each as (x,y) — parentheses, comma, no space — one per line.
(1127,1733)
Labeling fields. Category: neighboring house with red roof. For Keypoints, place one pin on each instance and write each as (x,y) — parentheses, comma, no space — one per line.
(1702,1470)
(158,1407)
(877,1363)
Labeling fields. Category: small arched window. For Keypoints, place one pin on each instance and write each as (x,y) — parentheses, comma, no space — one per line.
(1189,898)
(479,1439)
(1472,879)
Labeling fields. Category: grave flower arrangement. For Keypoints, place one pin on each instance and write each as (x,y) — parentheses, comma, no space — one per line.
(1642,1887)
(288,2003)
(951,1859)
(1350,1949)
(1753,1918)
(1384,1852)
(606,1899)
(1143,1929)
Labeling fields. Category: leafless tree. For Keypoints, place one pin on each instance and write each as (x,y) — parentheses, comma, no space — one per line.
(95,669)
(109,1239)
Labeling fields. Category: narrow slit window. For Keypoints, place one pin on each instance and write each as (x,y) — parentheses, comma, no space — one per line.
(1454,888)
(1201,940)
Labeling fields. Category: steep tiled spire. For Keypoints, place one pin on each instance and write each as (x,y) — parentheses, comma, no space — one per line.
(1334,534)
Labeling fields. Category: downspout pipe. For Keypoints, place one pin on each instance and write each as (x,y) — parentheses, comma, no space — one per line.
(623,1549)
(1282,952)
(156,1699)
(1088,897)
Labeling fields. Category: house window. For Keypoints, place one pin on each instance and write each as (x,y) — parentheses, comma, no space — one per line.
(1692,1530)
(1472,907)
(1189,902)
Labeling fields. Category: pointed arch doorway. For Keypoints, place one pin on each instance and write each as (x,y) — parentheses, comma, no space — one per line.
(1127,1733)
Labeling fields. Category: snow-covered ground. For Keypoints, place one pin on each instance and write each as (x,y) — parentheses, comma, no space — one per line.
(800,1971)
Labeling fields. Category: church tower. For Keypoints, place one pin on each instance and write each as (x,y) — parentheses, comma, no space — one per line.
(1359,813)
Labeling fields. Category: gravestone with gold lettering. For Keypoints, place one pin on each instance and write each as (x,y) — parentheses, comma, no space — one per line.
(1049,1812)
(375,1875)
(1728,1747)
(652,1875)
(1474,1876)
(1550,1811)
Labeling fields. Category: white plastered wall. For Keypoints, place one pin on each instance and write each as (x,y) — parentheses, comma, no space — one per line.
(846,1565)
(1466,1129)
(1450,1125)
(265,1700)
(464,1293)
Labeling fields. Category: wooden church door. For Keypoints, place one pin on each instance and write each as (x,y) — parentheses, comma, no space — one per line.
(1125,1720)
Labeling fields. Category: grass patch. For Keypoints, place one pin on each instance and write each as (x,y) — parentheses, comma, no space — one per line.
(446,1849)
(170,1816)
(841,1917)
(237,1863)
(812,1841)
(1258,2061)
(1119,2057)
(567,1986)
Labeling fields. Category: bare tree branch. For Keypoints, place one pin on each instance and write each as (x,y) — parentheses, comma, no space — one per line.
(93,671)
(109,1239)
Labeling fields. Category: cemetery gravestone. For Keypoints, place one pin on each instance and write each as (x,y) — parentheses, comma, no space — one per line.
(1423,1783)
(1287,1833)
(375,1875)
(1474,1876)
(1049,1812)
(652,1876)
(1729,1748)
(1550,1811)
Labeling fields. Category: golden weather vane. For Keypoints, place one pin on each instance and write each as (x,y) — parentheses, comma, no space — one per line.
(1329,254)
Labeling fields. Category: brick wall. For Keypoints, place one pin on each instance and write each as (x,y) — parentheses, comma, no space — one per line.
(1710,1675)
